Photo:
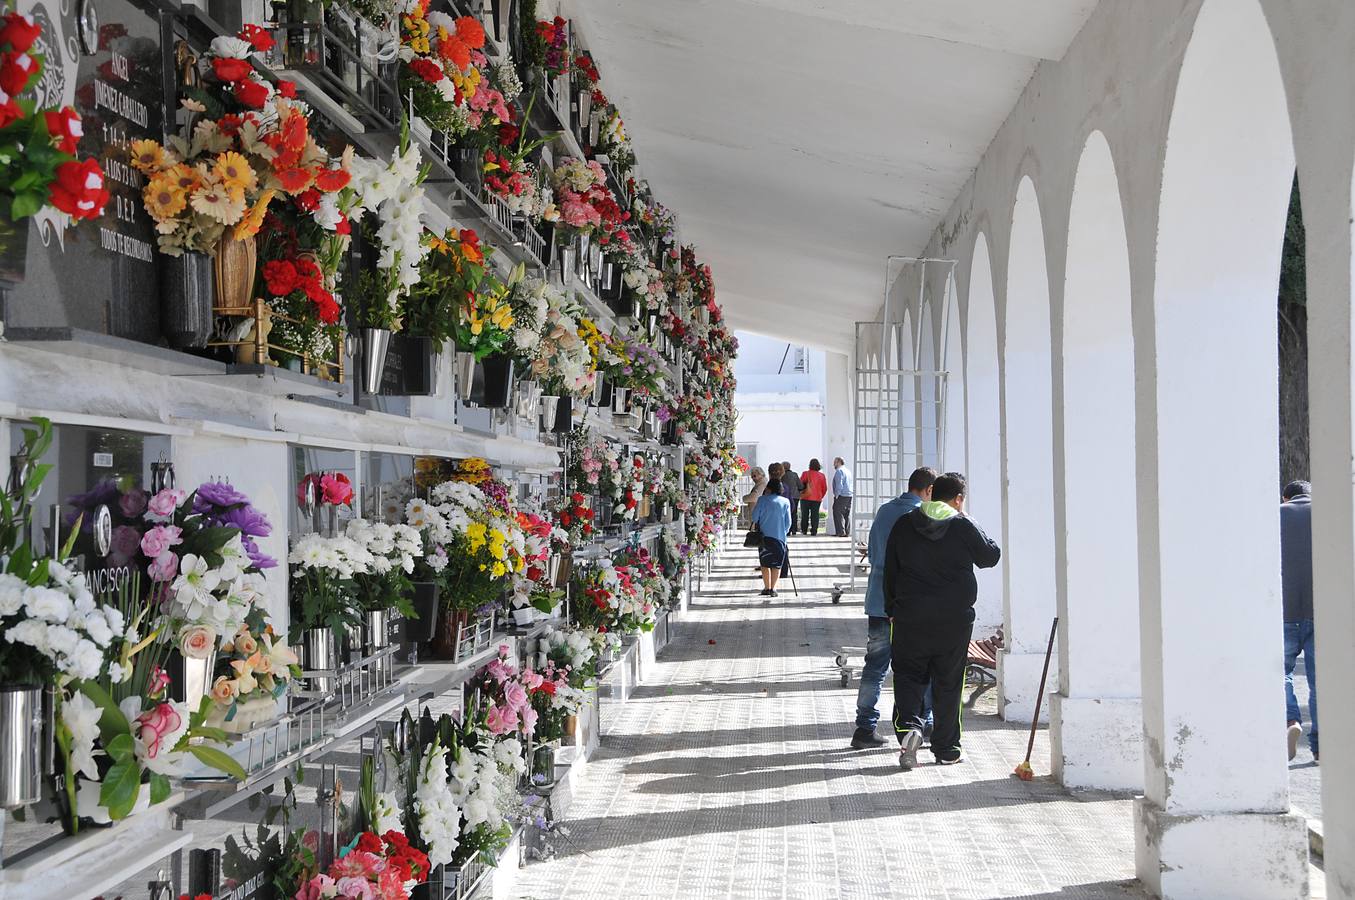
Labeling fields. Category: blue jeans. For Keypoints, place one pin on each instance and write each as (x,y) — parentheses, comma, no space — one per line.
(1299,638)
(873,676)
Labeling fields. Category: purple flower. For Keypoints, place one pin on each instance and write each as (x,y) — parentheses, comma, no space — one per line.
(663,413)
(218,494)
(249,520)
(260,559)
(133,503)
(125,544)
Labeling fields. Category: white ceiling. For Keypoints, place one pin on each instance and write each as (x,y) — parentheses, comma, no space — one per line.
(801,141)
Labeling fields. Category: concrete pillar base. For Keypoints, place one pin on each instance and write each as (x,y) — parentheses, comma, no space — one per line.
(1097,742)
(1235,855)
(1018,678)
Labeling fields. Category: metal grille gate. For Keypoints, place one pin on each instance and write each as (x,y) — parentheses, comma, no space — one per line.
(900,394)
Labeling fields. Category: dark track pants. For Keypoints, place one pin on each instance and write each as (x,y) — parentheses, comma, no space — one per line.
(921,656)
(809,516)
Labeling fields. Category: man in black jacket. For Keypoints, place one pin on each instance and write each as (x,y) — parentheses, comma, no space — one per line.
(930,591)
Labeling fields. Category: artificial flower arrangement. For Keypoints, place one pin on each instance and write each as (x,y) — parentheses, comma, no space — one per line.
(39,164)
(552,46)
(471,550)
(648,576)
(458,776)
(439,70)
(460,298)
(639,368)
(574,517)
(199,550)
(323,586)
(586,205)
(576,649)
(510,175)
(386,201)
(597,599)
(373,867)
(327,488)
(547,335)
(215,182)
(594,464)
(674,560)
(255,668)
(531,587)
(553,698)
(394,550)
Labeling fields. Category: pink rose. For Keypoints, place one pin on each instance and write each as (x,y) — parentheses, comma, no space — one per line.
(197,641)
(164,568)
(498,671)
(531,680)
(162,506)
(501,720)
(528,720)
(515,696)
(161,538)
(157,683)
(152,726)
(318,888)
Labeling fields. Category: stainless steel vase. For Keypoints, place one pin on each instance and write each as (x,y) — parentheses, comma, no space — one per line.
(376,629)
(25,744)
(321,655)
(375,345)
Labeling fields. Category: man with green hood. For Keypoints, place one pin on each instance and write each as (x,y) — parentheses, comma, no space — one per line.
(930,591)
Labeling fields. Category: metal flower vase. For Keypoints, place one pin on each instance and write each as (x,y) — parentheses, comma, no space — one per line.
(465,374)
(530,399)
(376,344)
(564,416)
(620,401)
(186,299)
(566,257)
(26,737)
(190,679)
(424,625)
(320,655)
(549,408)
(233,270)
(376,634)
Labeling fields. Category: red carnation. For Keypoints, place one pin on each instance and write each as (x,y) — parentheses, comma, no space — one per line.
(344,226)
(251,93)
(287,89)
(427,70)
(79,189)
(64,127)
(306,268)
(259,38)
(308,200)
(509,134)
(229,70)
(327,308)
(280,276)
(370,843)
(19,32)
(16,70)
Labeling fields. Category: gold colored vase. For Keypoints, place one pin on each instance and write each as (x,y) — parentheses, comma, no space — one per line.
(235,263)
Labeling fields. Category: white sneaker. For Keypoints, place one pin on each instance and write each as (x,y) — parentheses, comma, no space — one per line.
(908,750)
(1295,732)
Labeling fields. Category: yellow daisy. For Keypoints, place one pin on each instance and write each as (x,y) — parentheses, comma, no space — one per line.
(234,171)
(164,199)
(216,201)
(148,157)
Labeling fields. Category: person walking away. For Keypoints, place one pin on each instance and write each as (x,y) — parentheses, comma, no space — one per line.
(1296,579)
(813,488)
(877,623)
(930,591)
(842,498)
(790,489)
(772,518)
(750,499)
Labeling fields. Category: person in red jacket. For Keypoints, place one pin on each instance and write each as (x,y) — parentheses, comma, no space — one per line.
(813,488)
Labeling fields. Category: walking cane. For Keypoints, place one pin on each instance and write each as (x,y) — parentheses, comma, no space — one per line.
(1024,771)
(790,570)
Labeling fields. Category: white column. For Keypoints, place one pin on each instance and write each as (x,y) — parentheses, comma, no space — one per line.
(1215,819)
(1028,446)
(983,428)
(1095,730)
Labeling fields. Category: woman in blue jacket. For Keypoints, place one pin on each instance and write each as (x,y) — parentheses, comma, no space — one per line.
(771,516)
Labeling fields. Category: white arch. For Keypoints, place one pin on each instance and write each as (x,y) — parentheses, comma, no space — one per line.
(983,428)
(1215,777)
(953,409)
(1095,717)
(1028,538)
(927,389)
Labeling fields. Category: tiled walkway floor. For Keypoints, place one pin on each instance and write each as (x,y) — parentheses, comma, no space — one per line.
(729,775)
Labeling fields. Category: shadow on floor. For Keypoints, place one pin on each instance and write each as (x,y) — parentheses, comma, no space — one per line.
(610,832)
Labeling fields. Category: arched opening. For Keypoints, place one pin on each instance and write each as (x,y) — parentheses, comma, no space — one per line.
(953,437)
(1095,731)
(983,427)
(1215,817)
(928,440)
(1028,445)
